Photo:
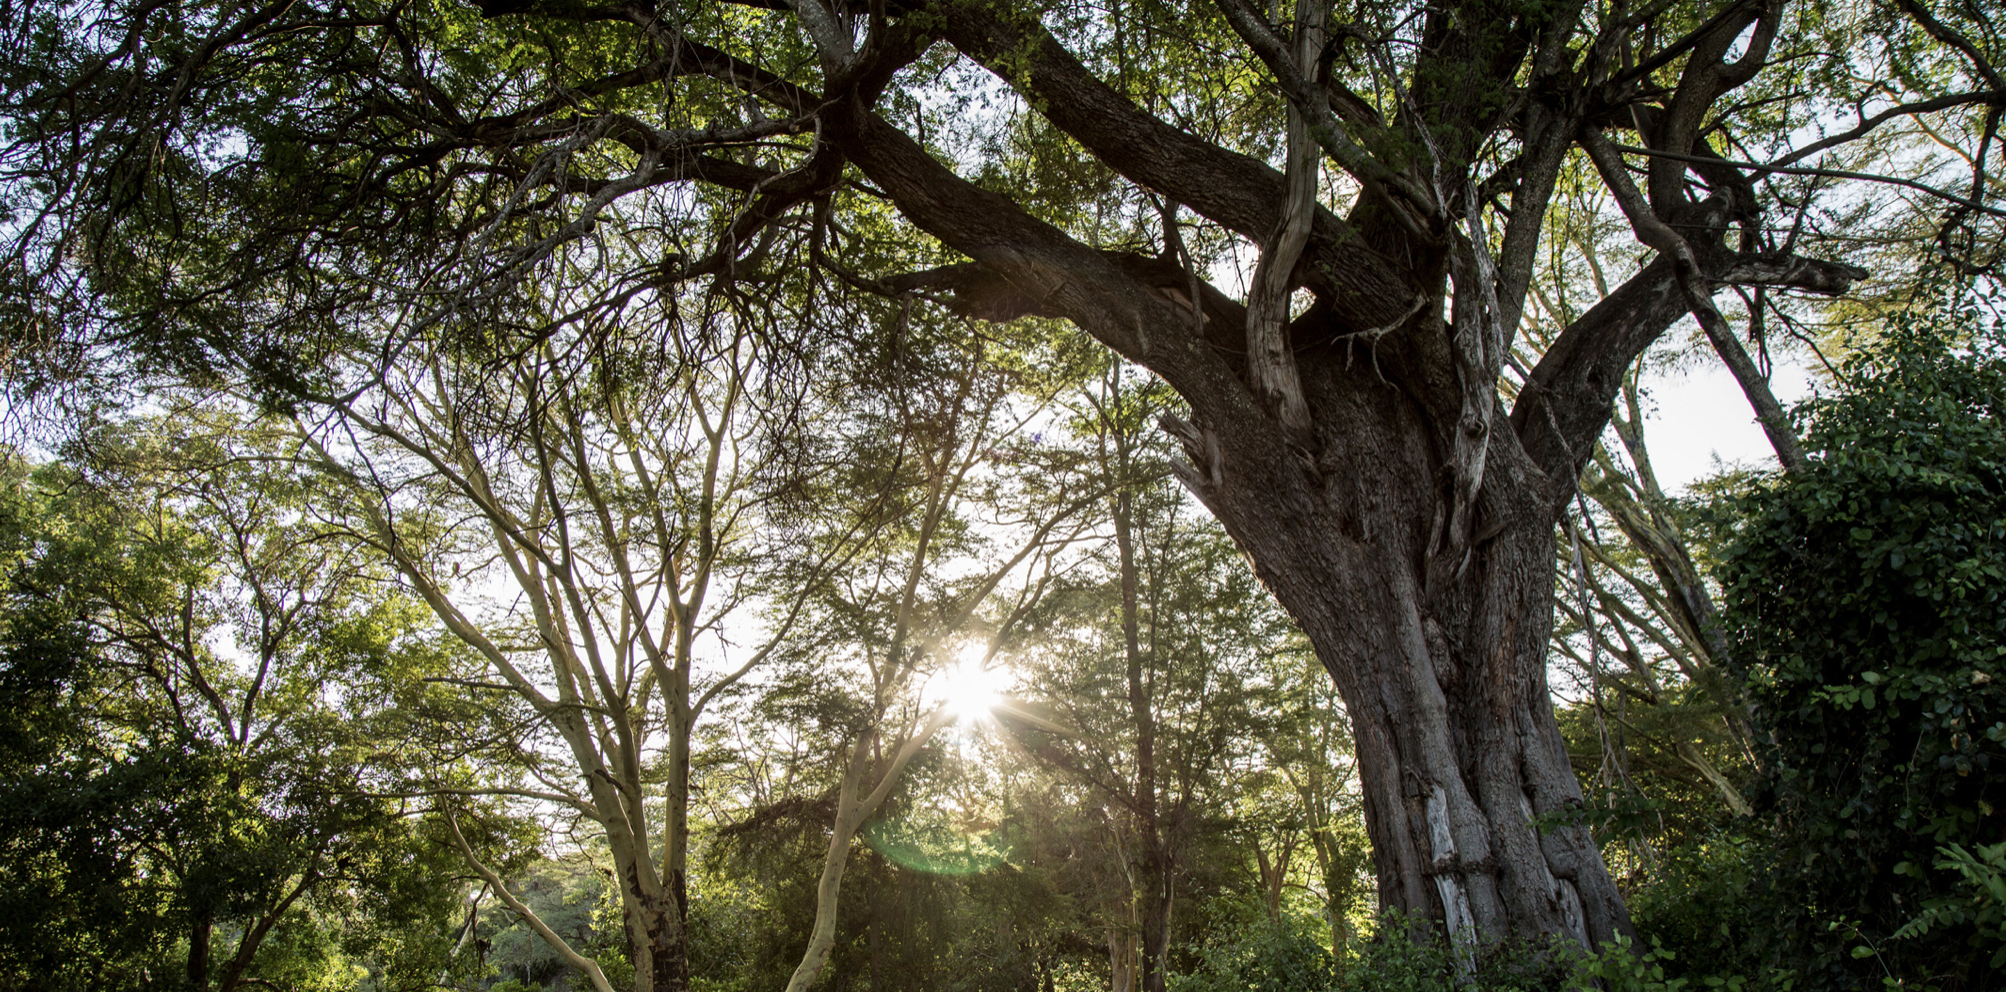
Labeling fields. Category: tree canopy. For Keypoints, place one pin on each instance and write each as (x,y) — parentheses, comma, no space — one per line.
(1395,262)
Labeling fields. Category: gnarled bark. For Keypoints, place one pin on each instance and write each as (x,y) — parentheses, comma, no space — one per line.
(1443,675)
(1421,570)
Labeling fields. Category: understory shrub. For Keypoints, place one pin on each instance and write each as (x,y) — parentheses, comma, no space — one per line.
(1866,601)
(1286,956)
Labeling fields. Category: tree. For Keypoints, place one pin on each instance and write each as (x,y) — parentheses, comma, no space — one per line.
(196,802)
(894,618)
(1304,758)
(1149,648)
(629,492)
(223,187)
(1638,625)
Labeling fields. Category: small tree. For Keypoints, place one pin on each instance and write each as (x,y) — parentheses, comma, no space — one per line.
(187,795)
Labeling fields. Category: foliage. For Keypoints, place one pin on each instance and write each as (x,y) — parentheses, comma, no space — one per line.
(1618,967)
(478,252)
(1981,907)
(182,811)
(235,193)
(1274,954)
(1867,601)
(1712,898)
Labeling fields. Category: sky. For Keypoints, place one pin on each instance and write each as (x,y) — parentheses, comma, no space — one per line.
(1702,422)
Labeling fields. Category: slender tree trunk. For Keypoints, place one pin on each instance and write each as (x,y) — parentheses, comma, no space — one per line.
(1152,851)
(1338,904)
(654,917)
(1121,956)
(1274,873)
(829,888)
(863,790)
(198,953)
(1154,903)
(660,931)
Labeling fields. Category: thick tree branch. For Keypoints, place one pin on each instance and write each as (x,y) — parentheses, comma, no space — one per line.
(974,290)
(1550,137)
(833,41)
(1791,272)
(1566,400)
(1754,385)
(1872,177)
(1271,363)
(1706,76)
(1698,292)
(1052,272)
(1245,195)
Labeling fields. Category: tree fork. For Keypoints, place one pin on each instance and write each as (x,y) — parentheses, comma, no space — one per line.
(1445,681)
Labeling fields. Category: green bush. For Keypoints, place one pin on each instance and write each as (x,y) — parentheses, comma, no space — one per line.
(1268,956)
(1716,900)
(1866,597)
(1980,908)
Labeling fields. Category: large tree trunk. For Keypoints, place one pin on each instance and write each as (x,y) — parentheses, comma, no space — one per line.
(1409,529)
(1439,654)
(661,947)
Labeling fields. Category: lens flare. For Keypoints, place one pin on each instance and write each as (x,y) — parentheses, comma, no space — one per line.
(968,689)
(934,848)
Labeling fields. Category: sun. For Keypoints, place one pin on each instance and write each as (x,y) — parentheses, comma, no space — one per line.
(969,688)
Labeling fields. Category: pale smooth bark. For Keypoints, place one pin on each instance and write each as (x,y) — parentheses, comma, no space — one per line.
(853,808)
(914,644)
(620,516)
(550,937)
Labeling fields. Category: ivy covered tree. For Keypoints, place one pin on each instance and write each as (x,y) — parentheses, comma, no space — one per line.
(1866,596)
